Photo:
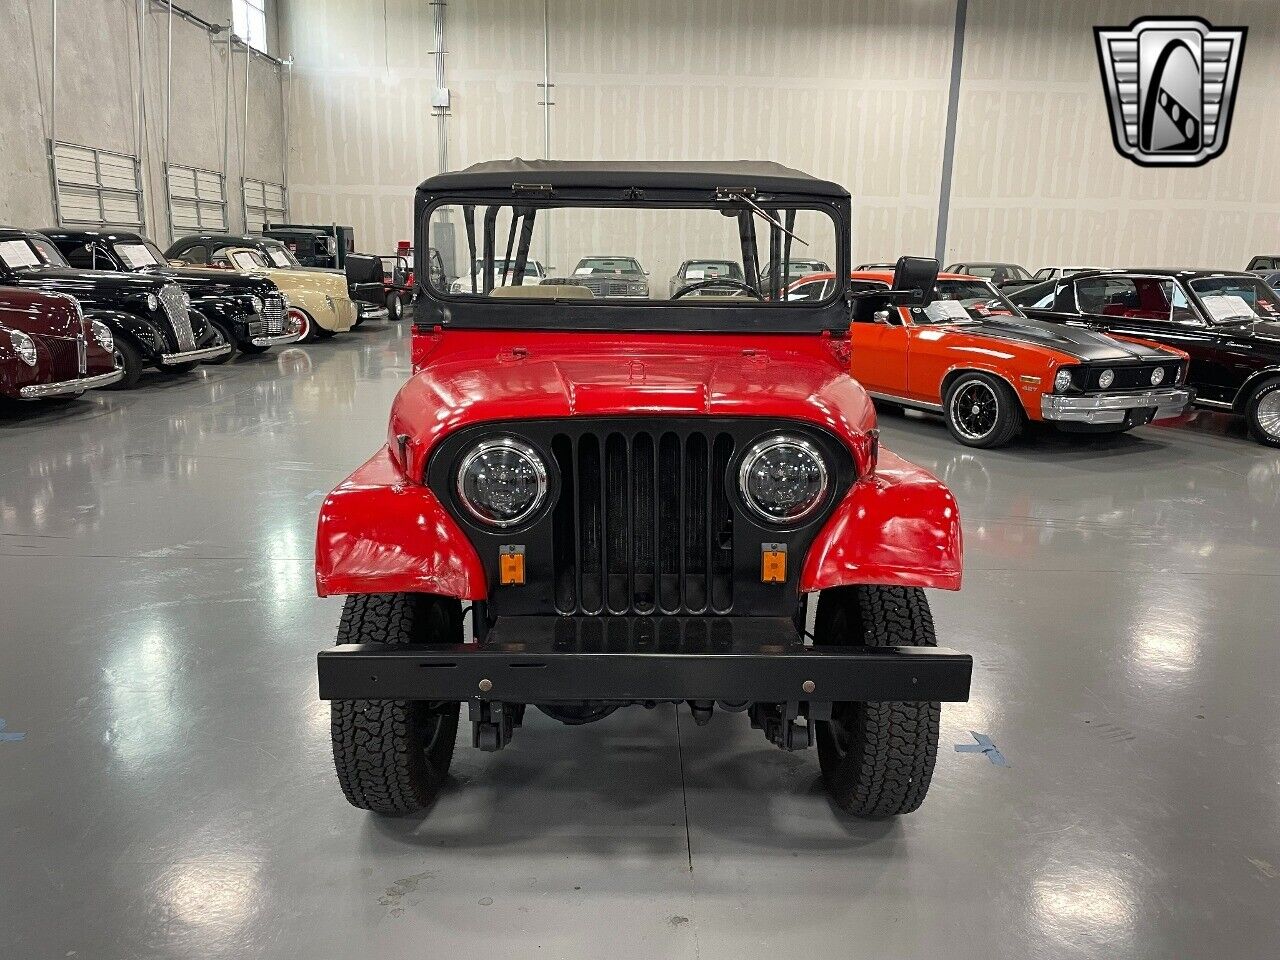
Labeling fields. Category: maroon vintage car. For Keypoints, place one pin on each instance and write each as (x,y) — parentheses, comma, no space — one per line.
(49,349)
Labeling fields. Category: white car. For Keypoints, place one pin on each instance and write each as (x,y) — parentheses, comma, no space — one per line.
(503,275)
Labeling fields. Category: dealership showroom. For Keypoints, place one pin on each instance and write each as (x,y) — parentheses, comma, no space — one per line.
(591,479)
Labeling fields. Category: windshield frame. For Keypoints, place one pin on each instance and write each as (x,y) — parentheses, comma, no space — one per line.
(266,245)
(700,315)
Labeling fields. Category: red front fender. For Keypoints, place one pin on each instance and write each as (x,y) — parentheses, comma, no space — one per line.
(900,527)
(379,533)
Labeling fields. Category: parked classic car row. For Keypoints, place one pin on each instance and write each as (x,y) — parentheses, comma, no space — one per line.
(86,308)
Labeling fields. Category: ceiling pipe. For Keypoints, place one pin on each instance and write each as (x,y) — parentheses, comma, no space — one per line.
(183,14)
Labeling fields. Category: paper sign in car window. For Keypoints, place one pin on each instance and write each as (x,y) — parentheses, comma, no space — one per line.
(940,311)
(1227,307)
(18,253)
(135,255)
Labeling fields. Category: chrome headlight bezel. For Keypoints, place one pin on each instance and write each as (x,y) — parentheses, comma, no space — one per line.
(102,334)
(1106,378)
(771,443)
(1157,376)
(152,302)
(1063,380)
(255,303)
(536,464)
(24,346)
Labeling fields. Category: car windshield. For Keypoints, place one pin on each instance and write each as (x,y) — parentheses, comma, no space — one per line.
(279,255)
(590,265)
(248,260)
(532,268)
(26,253)
(1228,299)
(963,301)
(659,236)
(139,254)
(707,269)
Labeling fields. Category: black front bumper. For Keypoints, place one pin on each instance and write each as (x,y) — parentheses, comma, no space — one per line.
(549,659)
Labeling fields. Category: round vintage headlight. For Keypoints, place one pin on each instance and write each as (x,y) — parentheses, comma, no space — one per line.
(1157,376)
(502,482)
(1062,380)
(256,304)
(25,347)
(153,302)
(102,333)
(782,478)
(1106,378)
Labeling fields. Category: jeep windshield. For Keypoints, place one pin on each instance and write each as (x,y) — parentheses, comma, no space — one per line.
(503,239)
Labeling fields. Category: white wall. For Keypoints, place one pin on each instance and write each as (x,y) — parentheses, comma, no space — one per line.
(853,91)
(98,78)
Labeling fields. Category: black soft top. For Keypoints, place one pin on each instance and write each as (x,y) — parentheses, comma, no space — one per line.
(765,175)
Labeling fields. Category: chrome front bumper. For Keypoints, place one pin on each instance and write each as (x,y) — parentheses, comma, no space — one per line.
(371,311)
(1115,407)
(278,340)
(38,390)
(194,356)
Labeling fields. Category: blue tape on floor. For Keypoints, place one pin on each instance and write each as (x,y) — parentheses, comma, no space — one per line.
(983,746)
(10,737)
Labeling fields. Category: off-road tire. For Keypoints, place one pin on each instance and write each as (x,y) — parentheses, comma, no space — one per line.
(1266,392)
(877,758)
(129,358)
(392,756)
(1008,417)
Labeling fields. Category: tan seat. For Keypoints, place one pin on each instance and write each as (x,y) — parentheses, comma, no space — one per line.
(550,291)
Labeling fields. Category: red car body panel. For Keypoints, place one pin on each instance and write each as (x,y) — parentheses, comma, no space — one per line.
(53,322)
(383,530)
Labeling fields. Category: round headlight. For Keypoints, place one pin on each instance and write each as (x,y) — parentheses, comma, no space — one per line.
(1157,376)
(153,302)
(102,333)
(256,304)
(1106,378)
(24,345)
(1062,380)
(782,478)
(502,482)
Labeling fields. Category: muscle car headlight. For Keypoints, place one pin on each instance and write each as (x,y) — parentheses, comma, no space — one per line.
(1157,376)
(782,478)
(102,333)
(25,347)
(153,302)
(1106,378)
(1062,380)
(502,482)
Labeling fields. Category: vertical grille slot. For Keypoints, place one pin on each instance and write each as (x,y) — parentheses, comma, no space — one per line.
(175,308)
(643,523)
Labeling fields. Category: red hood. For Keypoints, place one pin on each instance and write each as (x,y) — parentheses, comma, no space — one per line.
(35,312)
(468,377)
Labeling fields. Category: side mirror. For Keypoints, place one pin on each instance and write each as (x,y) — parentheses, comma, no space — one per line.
(917,274)
(883,316)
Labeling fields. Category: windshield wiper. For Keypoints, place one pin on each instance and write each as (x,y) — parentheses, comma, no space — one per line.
(740,193)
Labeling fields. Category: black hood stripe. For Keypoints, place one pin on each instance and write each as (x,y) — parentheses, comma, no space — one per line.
(1087,346)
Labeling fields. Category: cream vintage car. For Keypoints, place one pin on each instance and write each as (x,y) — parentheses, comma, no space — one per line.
(318,299)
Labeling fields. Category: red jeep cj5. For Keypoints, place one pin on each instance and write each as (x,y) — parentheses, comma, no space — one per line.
(639,499)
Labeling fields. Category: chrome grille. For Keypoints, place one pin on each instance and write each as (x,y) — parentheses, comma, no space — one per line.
(82,352)
(605,286)
(175,308)
(273,314)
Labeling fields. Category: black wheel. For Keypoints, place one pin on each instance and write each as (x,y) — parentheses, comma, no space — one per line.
(981,410)
(221,334)
(1263,413)
(877,758)
(392,756)
(395,307)
(127,356)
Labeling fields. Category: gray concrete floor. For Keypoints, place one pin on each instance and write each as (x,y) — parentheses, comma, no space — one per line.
(173,795)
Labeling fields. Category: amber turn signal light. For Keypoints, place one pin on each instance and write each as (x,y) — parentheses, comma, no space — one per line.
(511,564)
(773,563)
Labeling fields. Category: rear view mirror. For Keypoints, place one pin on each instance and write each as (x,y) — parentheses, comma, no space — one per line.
(916,274)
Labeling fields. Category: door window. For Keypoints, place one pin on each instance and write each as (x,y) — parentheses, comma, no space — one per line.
(1136,298)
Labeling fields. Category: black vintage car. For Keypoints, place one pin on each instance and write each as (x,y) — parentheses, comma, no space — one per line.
(150,317)
(248,312)
(1228,322)
(1007,276)
(315,244)
(363,273)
